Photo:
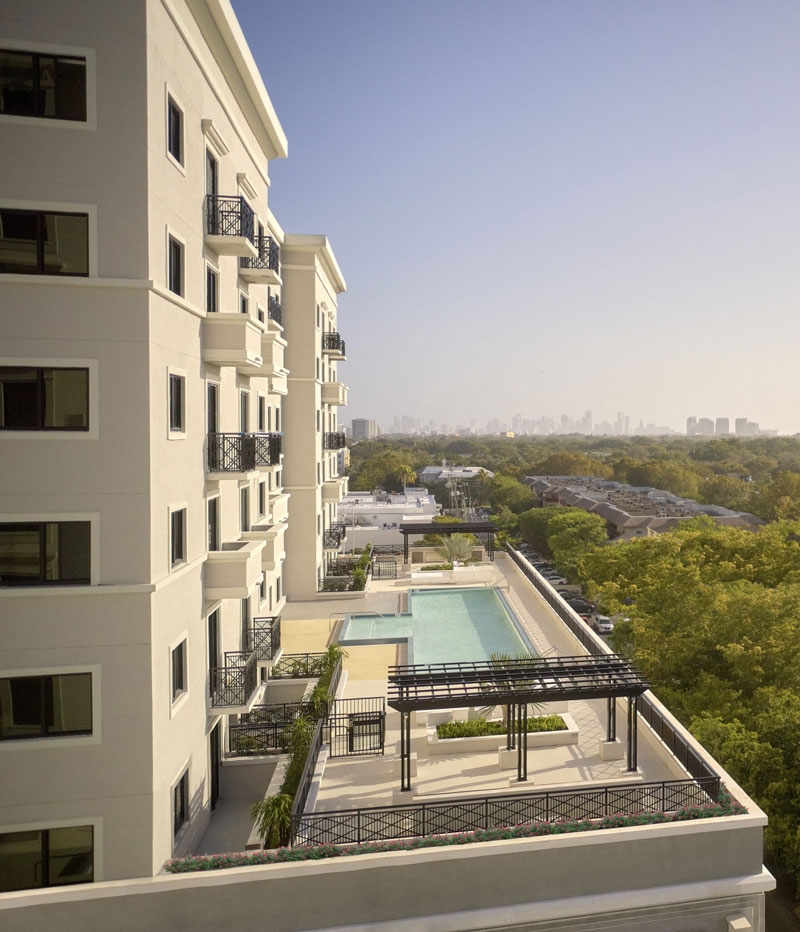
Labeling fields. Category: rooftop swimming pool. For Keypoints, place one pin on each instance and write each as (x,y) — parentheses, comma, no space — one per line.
(444,625)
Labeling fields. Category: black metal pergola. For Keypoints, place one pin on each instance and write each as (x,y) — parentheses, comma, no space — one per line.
(515,684)
(447,530)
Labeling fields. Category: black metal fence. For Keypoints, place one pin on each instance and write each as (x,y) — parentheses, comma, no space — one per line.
(356,727)
(242,452)
(268,258)
(336,440)
(298,666)
(332,341)
(275,310)
(352,826)
(384,568)
(307,778)
(229,216)
(264,637)
(234,683)
(677,744)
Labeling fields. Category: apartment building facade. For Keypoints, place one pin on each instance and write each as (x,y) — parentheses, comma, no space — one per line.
(143,514)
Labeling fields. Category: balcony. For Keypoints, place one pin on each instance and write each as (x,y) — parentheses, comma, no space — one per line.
(273,535)
(334,490)
(334,441)
(279,383)
(264,637)
(334,393)
(273,348)
(240,453)
(232,571)
(230,226)
(232,340)
(279,508)
(275,310)
(264,268)
(233,687)
(333,345)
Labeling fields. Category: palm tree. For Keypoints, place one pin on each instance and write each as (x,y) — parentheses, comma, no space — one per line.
(456,548)
(272,818)
(408,475)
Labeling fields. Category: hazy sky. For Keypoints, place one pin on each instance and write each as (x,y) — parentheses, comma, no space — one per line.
(543,207)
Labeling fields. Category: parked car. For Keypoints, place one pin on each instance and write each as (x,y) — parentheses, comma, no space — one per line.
(602,624)
(580,605)
(556,580)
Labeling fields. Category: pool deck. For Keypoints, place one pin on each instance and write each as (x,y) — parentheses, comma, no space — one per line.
(374,780)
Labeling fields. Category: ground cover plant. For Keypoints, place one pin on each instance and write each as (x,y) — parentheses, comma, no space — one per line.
(480,727)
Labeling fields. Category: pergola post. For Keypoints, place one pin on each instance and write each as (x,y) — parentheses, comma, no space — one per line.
(632,733)
(405,751)
(611,719)
(405,547)
(509,727)
(522,742)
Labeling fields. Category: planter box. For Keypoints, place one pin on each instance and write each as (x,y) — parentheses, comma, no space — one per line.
(536,739)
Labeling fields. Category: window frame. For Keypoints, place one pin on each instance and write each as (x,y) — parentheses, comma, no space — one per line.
(95,824)
(41,428)
(218,539)
(179,672)
(245,508)
(38,212)
(178,160)
(183,508)
(40,524)
(212,270)
(181,785)
(176,376)
(172,239)
(66,51)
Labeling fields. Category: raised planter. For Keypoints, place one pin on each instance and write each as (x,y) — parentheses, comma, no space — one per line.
(536,739)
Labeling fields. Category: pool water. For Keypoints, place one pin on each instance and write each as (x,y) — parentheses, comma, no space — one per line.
(445,625)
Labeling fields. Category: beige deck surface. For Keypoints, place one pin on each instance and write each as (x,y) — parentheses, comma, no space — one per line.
(373,780)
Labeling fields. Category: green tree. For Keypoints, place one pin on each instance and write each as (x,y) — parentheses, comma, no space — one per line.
(572,534)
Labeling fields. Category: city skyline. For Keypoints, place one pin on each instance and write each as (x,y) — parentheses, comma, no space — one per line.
(603,213)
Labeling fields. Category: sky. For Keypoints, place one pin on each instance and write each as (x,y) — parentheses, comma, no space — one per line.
(543,206)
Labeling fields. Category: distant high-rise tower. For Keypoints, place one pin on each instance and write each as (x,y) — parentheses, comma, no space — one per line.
(691,426)
(722,427)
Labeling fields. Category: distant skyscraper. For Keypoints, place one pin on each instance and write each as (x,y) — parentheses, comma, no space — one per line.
(691,426)
(722,427)
(705,427)
(364,429)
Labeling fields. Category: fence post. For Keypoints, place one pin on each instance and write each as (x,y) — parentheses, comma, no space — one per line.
(424,820)
(358,826)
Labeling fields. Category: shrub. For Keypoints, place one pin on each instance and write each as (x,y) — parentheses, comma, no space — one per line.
(480,727)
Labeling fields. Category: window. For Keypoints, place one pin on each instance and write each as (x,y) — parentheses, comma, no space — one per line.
(212,174)
(262,499)
(243,303)
(318,315)
(45,706)
(245,639)
(278,589)
(179,670)
(213,524)
(212,407)
(43,399)
(180,804)
(262,588)
(42,85)
(260,314)
(262,413)
(46,857)
(278,420)
(177,384)
(244,508)
(175,265)
(36,242)
(177,527)
(174,130)
(45,553)
(212,290)
(244,412)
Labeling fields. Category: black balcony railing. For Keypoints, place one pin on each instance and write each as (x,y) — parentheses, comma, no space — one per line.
(334,441)
(352,826)
(268,258)
(333,342)
(275,310)
(264,637)
(302,666)
(234,683)
(331,540)
(229,216)
(241,452)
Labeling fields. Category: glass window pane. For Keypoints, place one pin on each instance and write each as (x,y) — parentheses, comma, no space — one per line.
(16,83)
(52,566)
(20,707)
(71,859)
(66,244)
(72,703)
(19,555)
(21,866)
(19,394)
(18,252)
(74,551)
(66,398)
(70,89)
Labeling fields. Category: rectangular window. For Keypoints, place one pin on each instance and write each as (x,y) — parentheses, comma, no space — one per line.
(174,130)
(42,85)
(46,858)
(177,526)
(262,587)
(244,412)
(245,638)
(244,508)
(179,670)
(278,589)
(212,174)
(212,407)
(212,290)
(243,303)
(262,499)
(43,399)
(278,420)
(36,242)
(180,804)
(45,706)
(213,524)
(175,266)
(177,384)
(262,413)
(46,553)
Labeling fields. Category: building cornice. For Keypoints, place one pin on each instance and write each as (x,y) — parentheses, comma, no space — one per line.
(322,250)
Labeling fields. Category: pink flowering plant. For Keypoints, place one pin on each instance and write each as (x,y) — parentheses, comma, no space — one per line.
(725,806)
